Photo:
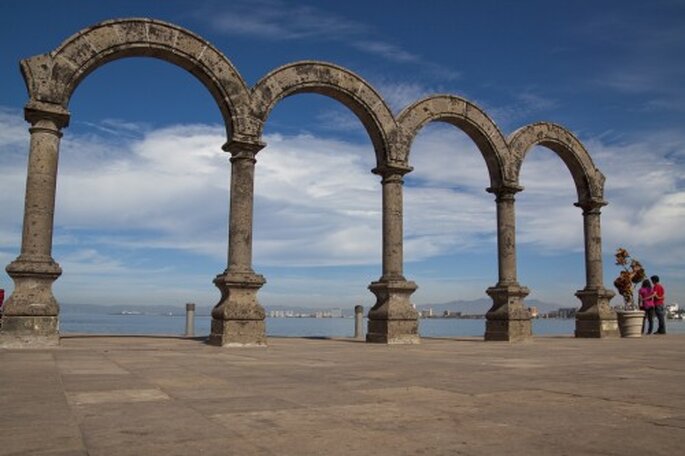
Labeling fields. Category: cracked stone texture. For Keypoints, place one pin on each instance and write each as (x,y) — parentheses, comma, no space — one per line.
(555,395)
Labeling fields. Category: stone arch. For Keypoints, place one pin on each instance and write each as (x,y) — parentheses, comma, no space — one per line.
(53,77)
(335,82)
(589,181)
(467,117)
(595,318)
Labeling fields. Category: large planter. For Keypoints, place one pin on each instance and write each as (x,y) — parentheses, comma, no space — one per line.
(630,322)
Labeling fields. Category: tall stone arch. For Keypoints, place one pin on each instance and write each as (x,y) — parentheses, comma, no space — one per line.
(464,115)
(31,313)
(335,82)
(392,319)
(595,317)
(507,319)
(52,78)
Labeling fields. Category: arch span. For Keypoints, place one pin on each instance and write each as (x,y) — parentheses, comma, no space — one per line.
(588,179)
(53,77)
(464,115)
(335,82)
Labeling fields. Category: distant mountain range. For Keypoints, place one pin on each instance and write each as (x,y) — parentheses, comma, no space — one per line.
(469,307)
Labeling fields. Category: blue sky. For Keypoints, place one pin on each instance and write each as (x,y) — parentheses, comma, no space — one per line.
(142,200)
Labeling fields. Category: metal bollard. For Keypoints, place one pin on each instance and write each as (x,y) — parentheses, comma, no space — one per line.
(358,322)
(190,319)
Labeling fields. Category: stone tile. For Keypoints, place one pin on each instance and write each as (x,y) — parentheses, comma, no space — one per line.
(207,447)
(90,367)
(126,424)
(302,397)
(99,397)
(73,383)
(239,404)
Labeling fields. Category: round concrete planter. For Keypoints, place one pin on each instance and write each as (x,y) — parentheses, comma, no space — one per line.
(630,322)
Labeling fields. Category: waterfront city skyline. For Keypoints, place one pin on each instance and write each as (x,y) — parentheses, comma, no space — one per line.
(142,199)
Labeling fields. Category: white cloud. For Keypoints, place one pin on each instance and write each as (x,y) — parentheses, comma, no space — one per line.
(399,95)
(278,20)
(646,191)
(318,205)
(523,104)
(387,51)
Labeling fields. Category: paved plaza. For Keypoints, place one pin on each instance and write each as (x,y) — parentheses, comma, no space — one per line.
(174,396)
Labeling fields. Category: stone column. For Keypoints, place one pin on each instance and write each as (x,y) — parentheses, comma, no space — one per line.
(190,319)
(507,319)
(238,318)
(595,318)
(392,320)
(31,313)
(358,321)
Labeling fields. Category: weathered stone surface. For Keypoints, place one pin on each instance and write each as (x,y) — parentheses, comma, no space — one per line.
(238,333)
(508,319)
(238,318)
(566,146)
(596,318)
(332,81)
(53,77)
(464,115)
(393,320)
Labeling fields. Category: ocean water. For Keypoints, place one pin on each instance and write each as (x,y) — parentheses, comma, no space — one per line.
(294,327)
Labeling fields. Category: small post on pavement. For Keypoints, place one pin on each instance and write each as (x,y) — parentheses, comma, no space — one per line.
(358,321)
(190,319)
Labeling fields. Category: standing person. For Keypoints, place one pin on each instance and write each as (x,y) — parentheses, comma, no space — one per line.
(659,296)
(2,301)
(645,298)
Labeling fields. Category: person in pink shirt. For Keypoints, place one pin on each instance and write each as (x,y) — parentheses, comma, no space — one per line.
(659,310)
(646,301)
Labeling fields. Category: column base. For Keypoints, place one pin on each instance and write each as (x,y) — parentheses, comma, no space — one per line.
(29,331)
(508,320)
(30,315)
(393,320)
(238,333)
(238,319)
(508,330)
(596,318)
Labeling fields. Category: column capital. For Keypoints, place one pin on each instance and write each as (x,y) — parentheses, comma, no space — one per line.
(244,147)
(392,171)
(591,206)
(35,111)
(504,191)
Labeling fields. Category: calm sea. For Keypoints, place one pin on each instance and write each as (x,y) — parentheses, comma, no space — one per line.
(294,327)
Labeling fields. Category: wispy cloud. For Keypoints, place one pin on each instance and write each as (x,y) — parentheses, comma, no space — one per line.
(522,105)
(277,20)
(640,57)
(280,20)
(387,51)
(399,95)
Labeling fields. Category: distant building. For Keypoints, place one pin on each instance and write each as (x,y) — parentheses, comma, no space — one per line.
(565,312)
(533,312)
